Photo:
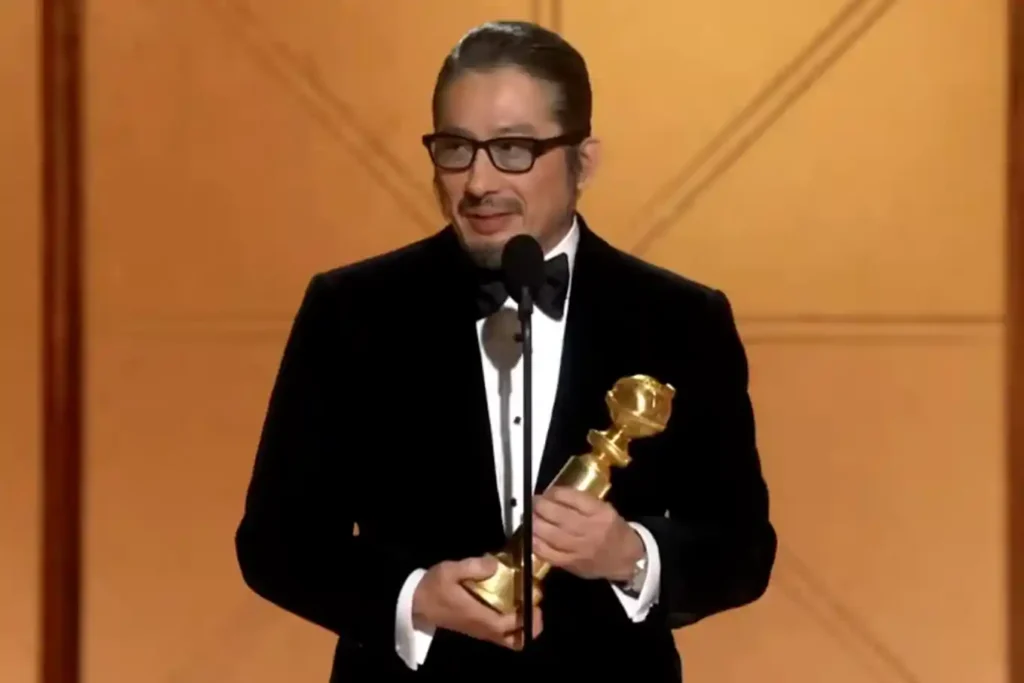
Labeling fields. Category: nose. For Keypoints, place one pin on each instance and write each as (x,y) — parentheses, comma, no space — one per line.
(483,177)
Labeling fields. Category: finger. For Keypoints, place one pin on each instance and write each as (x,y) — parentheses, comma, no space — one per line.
(583,503)
(566,521)
(511,633)
(515,638)
(513,641)
(559,539)
(505,624)
(550,555)
(491,620)
(474,568)
(555,513)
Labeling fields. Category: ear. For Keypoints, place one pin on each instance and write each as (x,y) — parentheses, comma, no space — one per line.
(589,157)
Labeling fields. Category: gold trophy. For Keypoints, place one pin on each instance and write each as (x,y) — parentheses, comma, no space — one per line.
(640,406)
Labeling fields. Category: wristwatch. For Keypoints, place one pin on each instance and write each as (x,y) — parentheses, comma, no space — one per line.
(633,587)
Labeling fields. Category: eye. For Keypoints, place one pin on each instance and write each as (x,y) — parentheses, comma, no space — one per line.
(511,151)
(449,145)
(512,146)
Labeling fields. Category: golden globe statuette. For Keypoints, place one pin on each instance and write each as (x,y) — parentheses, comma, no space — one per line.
(639,406)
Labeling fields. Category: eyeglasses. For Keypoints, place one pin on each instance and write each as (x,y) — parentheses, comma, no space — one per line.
(452,152)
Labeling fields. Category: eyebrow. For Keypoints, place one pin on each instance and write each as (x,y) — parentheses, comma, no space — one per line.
(518,129)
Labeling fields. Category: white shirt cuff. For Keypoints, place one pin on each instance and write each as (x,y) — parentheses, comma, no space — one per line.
(637,608)
(411,643)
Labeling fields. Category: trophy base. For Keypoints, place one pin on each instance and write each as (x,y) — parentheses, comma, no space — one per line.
(500,591)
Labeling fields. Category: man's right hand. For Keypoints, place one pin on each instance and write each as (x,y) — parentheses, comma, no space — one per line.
(441,601)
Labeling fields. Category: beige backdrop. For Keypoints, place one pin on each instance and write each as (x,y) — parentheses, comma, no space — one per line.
(835,165)
(19,339)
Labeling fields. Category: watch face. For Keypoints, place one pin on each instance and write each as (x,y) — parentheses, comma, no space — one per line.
(639,573)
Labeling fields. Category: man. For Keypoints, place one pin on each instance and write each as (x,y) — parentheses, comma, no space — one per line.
(392,411)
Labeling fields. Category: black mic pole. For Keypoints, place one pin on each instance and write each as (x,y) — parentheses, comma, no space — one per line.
(522,261)
(526,576)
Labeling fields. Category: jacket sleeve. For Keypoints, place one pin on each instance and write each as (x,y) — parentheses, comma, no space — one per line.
(295,544)
(717,543)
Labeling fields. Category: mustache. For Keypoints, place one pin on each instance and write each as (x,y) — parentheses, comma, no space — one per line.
(495,204)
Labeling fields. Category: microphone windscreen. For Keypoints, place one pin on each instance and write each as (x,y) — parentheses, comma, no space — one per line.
(522,264)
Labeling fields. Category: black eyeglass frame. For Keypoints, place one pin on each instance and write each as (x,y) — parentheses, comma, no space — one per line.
(538,147)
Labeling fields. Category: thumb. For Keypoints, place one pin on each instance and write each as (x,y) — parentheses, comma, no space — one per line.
(476,568)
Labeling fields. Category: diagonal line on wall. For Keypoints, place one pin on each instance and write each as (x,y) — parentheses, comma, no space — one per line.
(299,77)
(779,94)
(798,583)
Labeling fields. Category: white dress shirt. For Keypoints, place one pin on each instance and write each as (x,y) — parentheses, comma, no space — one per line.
(503,377)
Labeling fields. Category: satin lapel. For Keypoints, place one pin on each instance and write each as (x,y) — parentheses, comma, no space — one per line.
(586,373)
(458,399)
(471,436)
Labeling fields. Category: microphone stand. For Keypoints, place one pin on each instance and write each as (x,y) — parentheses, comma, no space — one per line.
(526,574)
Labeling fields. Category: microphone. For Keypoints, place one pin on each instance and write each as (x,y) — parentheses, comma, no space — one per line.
(522,265)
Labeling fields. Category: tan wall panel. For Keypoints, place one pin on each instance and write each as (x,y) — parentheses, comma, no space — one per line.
(676,76)
(226,167)
(19,418)
(886,461)
(879,190)
(176,420)
(238,147)
(380,63)
(878,513)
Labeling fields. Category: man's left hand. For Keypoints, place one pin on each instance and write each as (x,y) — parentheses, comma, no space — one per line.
(584,535)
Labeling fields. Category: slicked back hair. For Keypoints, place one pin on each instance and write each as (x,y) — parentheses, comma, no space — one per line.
(541,53)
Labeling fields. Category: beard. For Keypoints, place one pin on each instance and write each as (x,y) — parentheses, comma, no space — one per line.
(483,255)
(487,255)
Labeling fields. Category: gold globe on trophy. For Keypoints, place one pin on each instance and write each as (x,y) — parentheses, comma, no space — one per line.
(640,407)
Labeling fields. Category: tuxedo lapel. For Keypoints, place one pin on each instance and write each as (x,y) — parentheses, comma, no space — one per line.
(585,371)
(473,441)
(457,399)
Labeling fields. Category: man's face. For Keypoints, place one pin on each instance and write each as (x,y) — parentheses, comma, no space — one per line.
(487,205)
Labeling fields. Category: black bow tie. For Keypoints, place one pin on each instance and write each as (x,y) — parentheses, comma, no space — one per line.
(492,292)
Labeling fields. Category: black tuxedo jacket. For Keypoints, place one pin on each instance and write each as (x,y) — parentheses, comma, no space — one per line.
(378,418)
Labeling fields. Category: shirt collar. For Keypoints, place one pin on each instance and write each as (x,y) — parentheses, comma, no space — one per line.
(568,245)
